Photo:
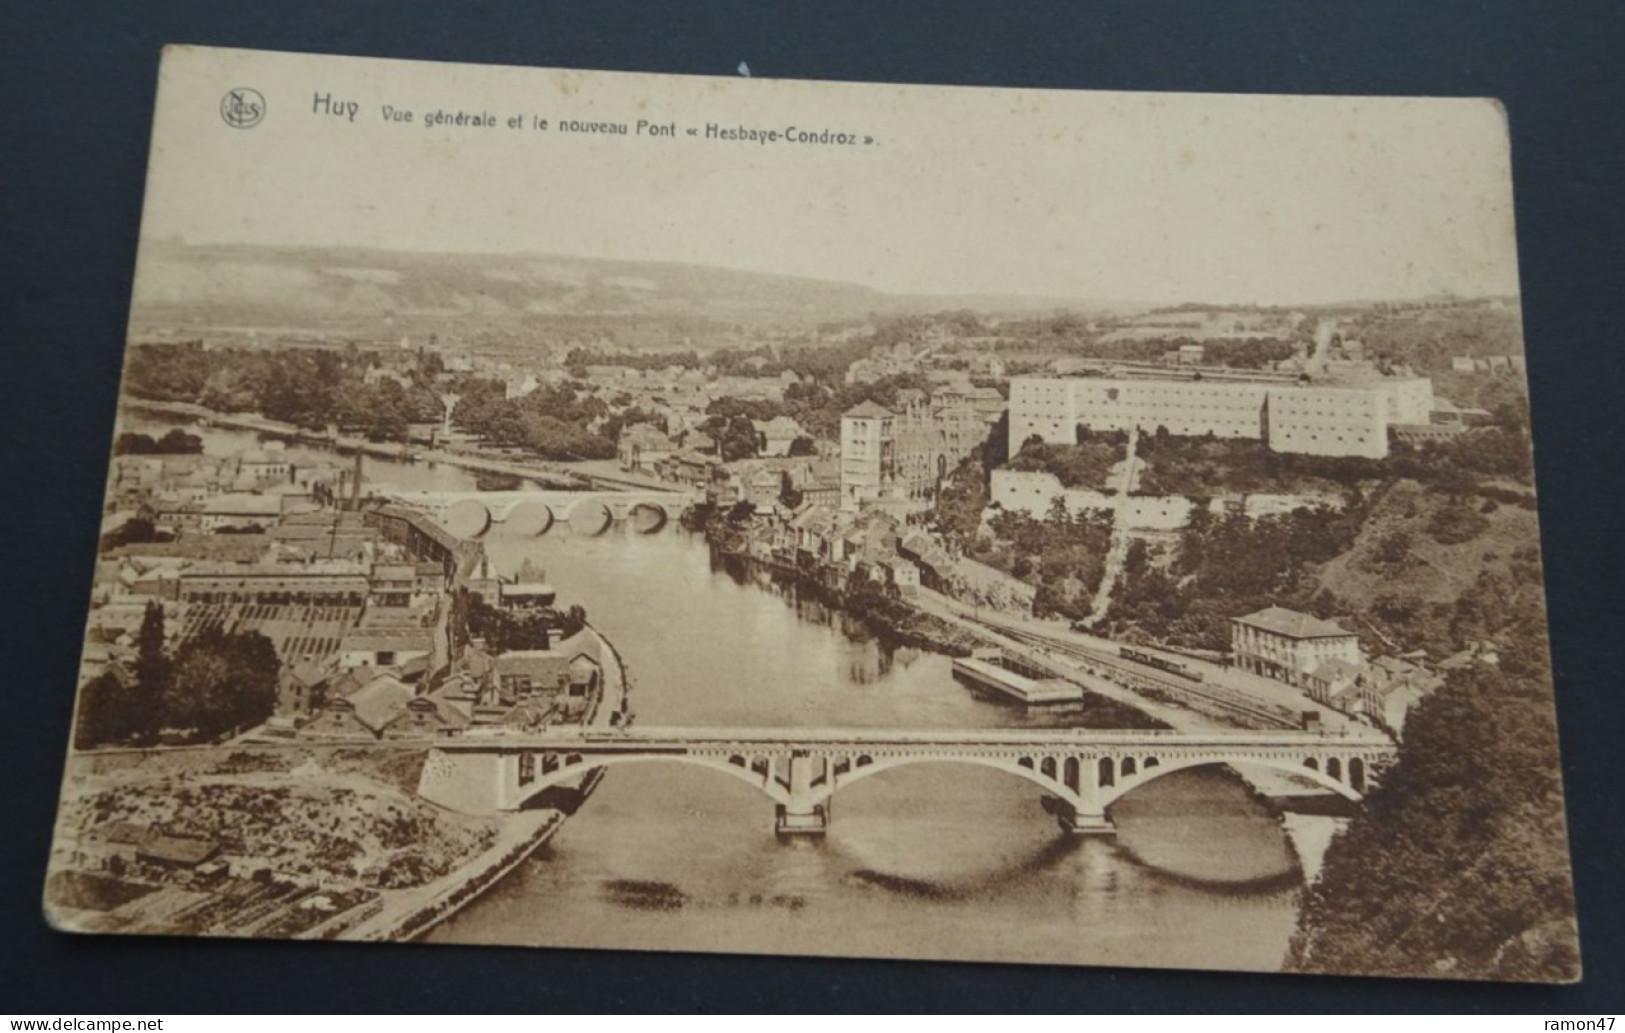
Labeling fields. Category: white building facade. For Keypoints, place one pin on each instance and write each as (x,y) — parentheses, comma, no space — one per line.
(868,453)
(1307,419)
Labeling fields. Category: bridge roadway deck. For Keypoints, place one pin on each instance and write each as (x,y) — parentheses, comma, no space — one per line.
(648,739)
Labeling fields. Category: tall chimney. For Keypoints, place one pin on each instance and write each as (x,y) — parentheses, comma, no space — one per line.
(355,483)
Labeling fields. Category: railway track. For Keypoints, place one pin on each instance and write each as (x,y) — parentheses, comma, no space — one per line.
(1141,678)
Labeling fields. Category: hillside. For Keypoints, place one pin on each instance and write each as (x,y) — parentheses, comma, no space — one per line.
(321,287)
(1420,556)
(307,284)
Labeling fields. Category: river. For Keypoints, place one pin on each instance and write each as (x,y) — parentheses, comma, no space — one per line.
(937,861)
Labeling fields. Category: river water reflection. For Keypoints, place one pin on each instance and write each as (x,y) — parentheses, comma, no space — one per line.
(938,861)
(941,861)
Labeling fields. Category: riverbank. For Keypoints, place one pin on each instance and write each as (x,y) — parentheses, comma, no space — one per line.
(413,913)
(904,622)
(889,619)
(548,474)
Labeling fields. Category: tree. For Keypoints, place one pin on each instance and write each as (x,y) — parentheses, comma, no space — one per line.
(151,675)
(734,433)
(222,684)
(789,495)
(175,442)
(574,621)
(1393,550)
(803,446)
(1455,523)
(133,531)
(503,631)
(1136,559)
(1458,862)
(107,712)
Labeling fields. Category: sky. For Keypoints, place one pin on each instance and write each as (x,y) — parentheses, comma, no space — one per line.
(1087,195)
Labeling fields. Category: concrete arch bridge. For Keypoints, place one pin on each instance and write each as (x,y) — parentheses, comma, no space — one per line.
(800,770)
(527,514)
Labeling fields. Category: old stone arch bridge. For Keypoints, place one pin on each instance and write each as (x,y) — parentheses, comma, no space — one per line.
(526,514)
(1081,771)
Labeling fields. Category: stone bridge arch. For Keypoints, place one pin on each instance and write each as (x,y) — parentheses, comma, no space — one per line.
(527,518)
(591,516)
(467,518)
(648,517)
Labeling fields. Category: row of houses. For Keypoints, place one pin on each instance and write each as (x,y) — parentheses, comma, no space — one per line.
(523,689)
(253,487)
(843,549)
(644,447)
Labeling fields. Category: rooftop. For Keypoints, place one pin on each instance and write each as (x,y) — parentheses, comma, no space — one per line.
(1337,669)
(1279,620)
(868,410)
(243,505)
(380,700)
(386,639)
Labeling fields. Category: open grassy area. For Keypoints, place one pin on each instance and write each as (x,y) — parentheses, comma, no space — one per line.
(1420,553)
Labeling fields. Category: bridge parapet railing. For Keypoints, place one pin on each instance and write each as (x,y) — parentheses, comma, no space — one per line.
(823,737)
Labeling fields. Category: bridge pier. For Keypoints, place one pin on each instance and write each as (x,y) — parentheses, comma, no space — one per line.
(801,816)
(792,820)
(1081,824)
(1085,817)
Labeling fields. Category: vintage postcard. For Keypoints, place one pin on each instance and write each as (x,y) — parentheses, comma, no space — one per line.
(718,514)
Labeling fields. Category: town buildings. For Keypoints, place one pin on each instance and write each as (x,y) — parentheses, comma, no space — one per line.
(642,447)
(903,455)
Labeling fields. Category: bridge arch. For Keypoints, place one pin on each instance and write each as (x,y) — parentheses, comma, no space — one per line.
(648,517)
(467,518)
(750,771)
(573,767)
(1030,771)
(591,516)
(527,518)
(1166,765)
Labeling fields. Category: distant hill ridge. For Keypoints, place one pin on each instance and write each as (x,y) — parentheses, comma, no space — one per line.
(304,284)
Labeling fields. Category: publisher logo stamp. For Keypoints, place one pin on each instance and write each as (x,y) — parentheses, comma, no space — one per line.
(242,107)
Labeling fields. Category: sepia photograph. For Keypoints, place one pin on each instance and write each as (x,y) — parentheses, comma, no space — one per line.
(677,513)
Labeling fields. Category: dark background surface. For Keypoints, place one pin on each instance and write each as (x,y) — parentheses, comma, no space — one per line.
(76,106)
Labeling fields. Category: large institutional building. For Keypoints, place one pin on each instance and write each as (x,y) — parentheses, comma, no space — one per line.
(1333,418)
(903,455)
